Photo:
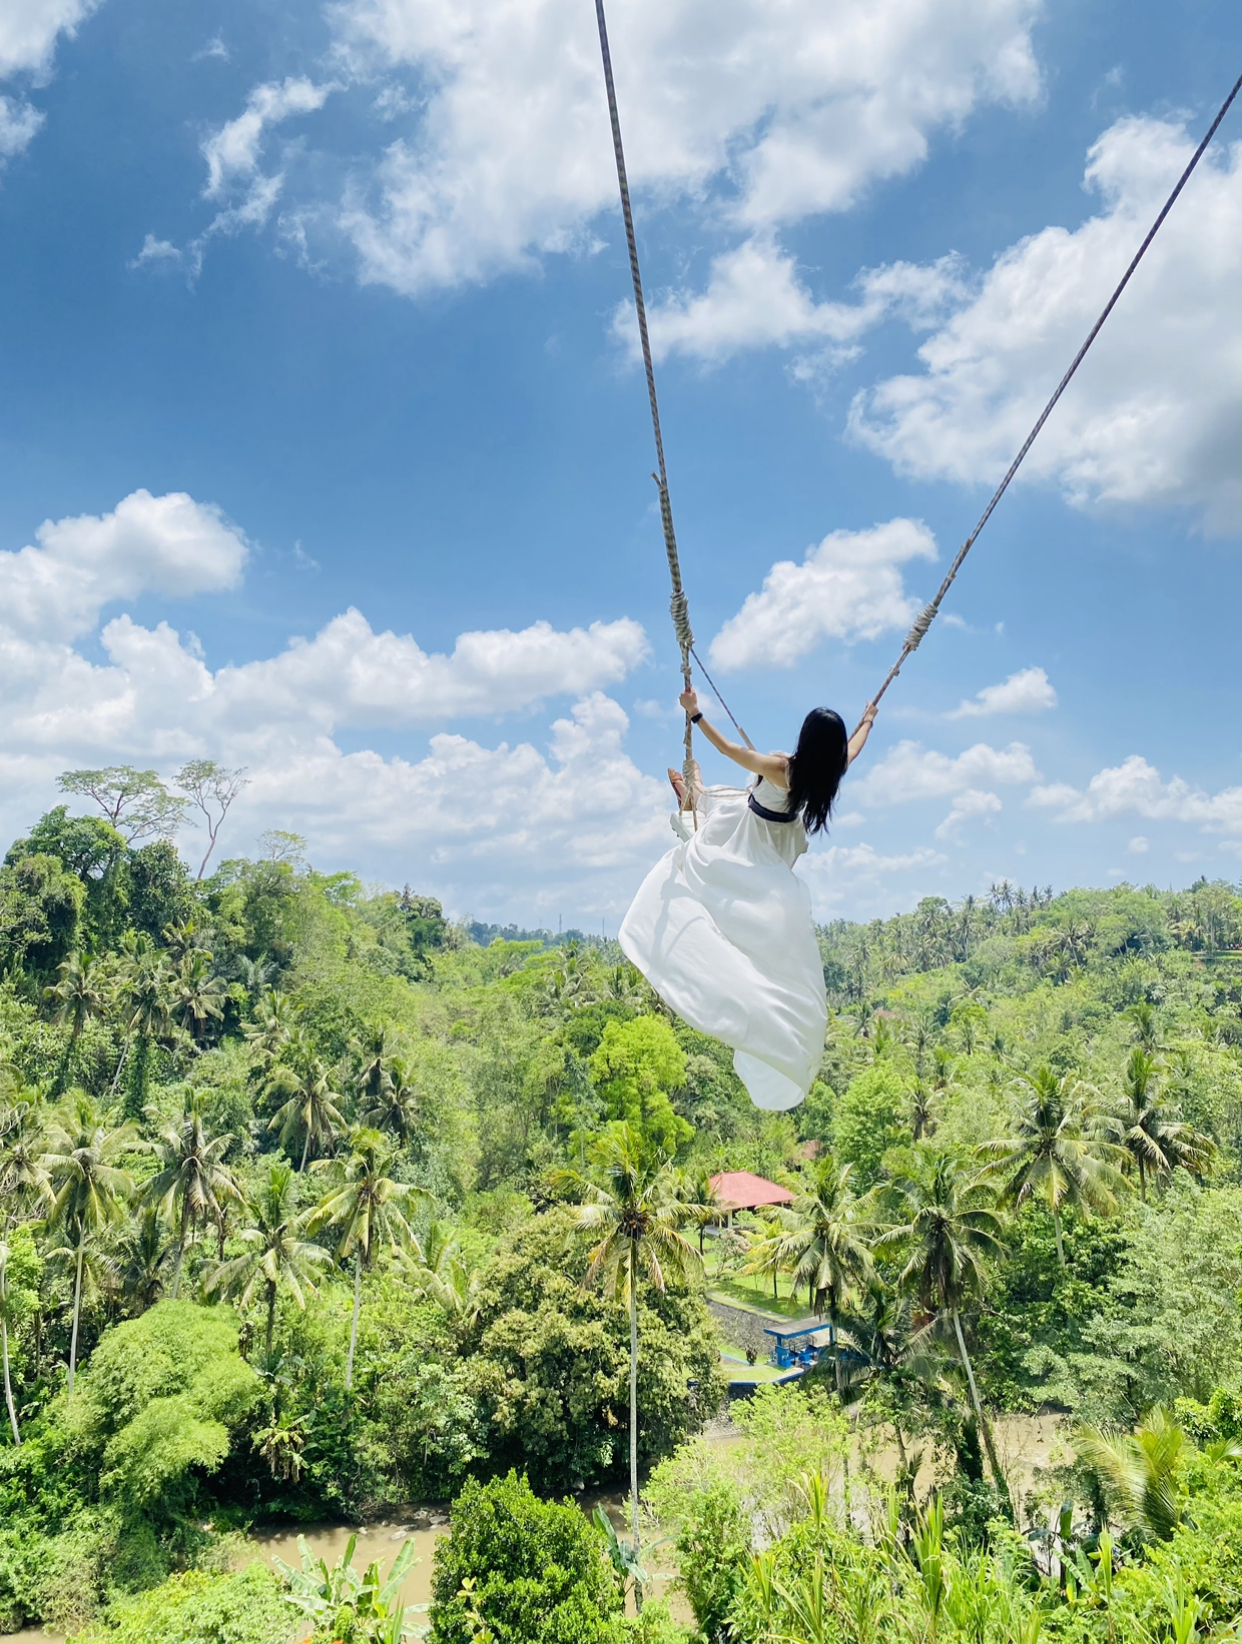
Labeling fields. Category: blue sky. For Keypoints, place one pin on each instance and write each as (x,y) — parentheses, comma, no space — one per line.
(316,356)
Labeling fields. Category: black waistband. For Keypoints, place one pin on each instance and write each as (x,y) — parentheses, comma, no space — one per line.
(766,814)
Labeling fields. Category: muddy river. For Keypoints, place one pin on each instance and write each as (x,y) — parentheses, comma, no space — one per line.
(1025,1443)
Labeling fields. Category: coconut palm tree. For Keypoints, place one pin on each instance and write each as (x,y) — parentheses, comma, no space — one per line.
(392,1102)
(767,1256)
(922,1114)
(24,1187)
(634,1214)
(81,993)
(24,1181)
(275,1253)
(696,1190)
(191,1181)
(375,1058)
(365,1209)
(311,1106)
(1139,1471)
(142,1260)
(198,997)
(1056,1151)
(951,1226)
(1155,1140)
(442,1275)
(89,1188)
(145,995)
(824,1244)
(1143,1025)
(275,1016)
(4,1338)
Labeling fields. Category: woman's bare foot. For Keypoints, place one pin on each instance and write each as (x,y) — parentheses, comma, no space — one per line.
(679,785)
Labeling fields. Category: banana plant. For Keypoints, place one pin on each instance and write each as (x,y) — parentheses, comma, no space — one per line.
(624,1558)
(336,1593)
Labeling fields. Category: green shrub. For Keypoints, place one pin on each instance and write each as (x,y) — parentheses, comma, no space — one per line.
(870,1120)
(194,1608)
(157,1401)
(655,1626)
(537,1568)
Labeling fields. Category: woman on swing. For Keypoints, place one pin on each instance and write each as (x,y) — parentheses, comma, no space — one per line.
(721,926)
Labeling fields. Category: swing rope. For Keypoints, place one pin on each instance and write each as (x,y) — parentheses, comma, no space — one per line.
(678,604)
(927,615)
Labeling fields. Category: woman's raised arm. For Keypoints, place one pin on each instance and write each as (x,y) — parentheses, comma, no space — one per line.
(859,739)
(774,766)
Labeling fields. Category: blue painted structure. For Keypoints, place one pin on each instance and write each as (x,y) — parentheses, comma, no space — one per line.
(788,1357)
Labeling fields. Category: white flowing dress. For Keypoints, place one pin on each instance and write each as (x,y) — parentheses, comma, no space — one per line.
(722,929)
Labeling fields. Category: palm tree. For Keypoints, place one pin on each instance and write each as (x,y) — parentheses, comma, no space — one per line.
(311,1107)
(951,1227)
(1155,1140)
(442,1275)
(1142,1020)
(766,1251)
(191,1181)
(4,1339)
(1139,1470)
(198,997)
(900,1353)
(142,1258)
(638,1220)
(276,1253)
(375,1058)
(365,1208)
(392,1101)
(272,1028)
(89,1189)
(824,1243)
(24,1181)
(81,992)
(697,1191)
(1054,1154)
(24,1185)
(922,1117)
(145,993)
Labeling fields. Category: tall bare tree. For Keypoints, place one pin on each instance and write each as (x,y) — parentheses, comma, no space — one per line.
(212,790)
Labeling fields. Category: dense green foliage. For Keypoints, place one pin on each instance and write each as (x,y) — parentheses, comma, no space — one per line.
(535,1569)
(312,1205)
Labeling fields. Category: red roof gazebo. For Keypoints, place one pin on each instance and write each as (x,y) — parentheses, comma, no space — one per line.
(739,1190)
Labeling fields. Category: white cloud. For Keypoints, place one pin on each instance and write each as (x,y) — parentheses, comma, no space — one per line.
(168,544)
(232,152)
(849,587)
(348,674)
(502,152)
(1136,788)
(1155,415)
(472,814)
(756,299)
(18,124)
(1027,692)
(1138,846)
(909,771)
(505,830)
(29,30)
(973,804)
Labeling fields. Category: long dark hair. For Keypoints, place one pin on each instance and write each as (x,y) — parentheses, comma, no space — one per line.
(817,766)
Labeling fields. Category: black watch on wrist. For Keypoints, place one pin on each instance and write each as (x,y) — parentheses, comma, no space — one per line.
(694,718)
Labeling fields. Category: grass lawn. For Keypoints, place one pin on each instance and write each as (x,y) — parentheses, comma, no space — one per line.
(736,1368)
(755,1292)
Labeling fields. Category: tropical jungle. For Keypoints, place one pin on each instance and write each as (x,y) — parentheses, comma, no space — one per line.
(315,1205)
